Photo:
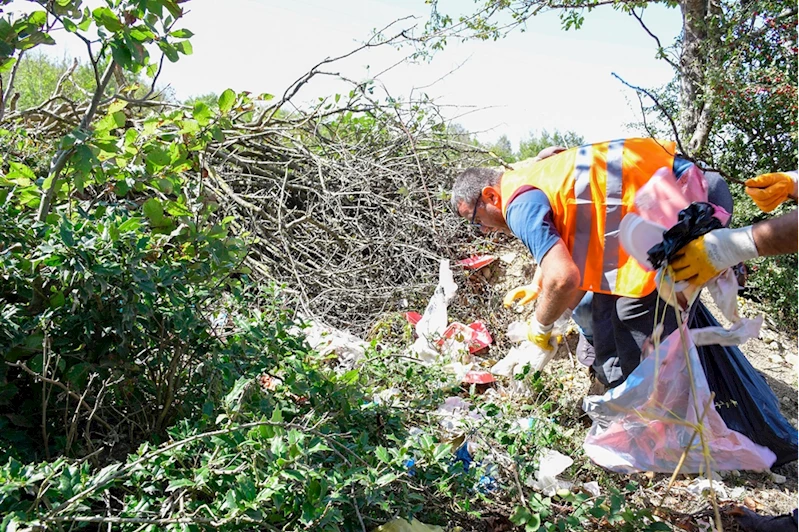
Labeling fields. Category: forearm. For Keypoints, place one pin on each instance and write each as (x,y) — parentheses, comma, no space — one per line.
(776,236)
(553,302)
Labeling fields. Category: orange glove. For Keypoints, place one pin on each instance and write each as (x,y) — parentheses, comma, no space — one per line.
(769,190)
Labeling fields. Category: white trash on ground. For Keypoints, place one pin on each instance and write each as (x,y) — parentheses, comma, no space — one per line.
(551,463)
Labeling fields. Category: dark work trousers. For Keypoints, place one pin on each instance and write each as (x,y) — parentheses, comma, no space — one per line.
(621,325)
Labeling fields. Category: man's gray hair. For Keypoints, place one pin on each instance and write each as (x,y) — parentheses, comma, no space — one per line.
(470,183)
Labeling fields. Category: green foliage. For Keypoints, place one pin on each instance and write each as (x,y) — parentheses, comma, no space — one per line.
(38,75)
(537,142)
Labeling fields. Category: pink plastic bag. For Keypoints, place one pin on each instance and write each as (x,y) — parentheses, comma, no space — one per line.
(641,424)
(662,198)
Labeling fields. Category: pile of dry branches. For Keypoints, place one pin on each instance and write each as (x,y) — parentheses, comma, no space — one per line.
(348,202)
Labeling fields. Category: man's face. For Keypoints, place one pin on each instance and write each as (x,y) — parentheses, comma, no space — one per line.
(486,216)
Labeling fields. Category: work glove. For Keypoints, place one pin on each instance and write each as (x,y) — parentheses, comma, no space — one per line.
(705,257)
(541,335)
(526,293)
(769,190)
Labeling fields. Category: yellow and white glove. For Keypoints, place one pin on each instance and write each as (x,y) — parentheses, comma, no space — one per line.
(527,293)
(768,191)
(541,335)
(702,259)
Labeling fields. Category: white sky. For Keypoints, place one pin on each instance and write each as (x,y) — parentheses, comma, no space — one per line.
(544,78)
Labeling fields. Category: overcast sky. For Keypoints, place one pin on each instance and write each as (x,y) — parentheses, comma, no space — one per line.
(544,78)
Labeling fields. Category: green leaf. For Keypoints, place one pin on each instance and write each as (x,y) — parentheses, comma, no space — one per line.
(20,174)
(293,474)
(169,50)
(173,8)
(382,454)
(6,64)
(107,19)
(521,516)
(226,100)
(70,26)
(184,47)
(117,105)
(154,211)
(66,235)
(158,157)
(202,113)
(533,524)
(57,300)
(131,224)
(388,478)
(38,18)
(86,23)
(177,209)
(119,118)
(181,34)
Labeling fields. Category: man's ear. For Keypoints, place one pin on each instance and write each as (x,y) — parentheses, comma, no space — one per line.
(492,196)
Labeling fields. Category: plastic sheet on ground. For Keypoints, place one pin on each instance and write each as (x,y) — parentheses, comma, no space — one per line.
(645,423)
(401,525)
(551,463)
(327,340)
(457,415)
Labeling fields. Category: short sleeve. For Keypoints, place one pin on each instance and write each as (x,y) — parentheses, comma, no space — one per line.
(529,217)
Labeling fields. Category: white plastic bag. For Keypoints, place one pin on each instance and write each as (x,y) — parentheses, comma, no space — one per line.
(645,423)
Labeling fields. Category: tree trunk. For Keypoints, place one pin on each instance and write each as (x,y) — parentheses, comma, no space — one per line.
(696,117)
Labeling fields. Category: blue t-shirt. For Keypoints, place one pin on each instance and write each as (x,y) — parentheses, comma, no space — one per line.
(529,217)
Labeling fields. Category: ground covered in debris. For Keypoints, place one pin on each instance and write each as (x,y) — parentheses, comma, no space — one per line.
(555,405)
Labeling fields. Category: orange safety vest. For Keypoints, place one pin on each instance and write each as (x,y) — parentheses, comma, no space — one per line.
(590,189)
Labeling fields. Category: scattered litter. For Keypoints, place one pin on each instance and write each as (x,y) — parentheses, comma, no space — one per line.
(508,258)
(551,463)
(463,455)
(592,488)
(327,340)
(478,377)
(526,423)
(413,317)
(401,525)
(475,336)
(476,262)
(456,414)
(737,493)
(434,320)
(410,465)
(702,485)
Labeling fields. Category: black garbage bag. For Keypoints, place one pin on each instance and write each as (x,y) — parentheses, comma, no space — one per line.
(693,221)
(743,398)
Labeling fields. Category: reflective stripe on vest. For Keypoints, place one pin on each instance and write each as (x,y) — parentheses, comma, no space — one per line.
(590,189)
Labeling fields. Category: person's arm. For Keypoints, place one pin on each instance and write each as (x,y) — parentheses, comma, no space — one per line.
(710,254)
(560,284)
(777,236)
